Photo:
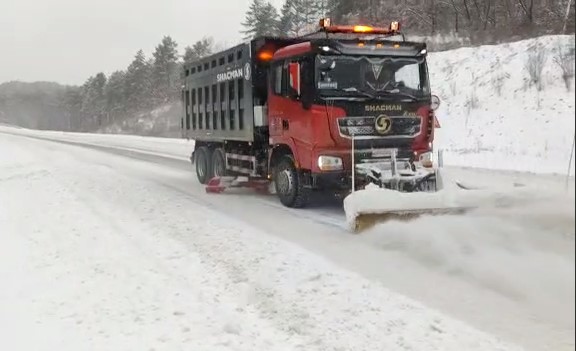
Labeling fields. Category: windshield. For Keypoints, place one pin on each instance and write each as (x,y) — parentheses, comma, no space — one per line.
(371,76)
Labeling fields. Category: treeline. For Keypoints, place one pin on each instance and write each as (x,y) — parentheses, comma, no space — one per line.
(145,84)
(480,20)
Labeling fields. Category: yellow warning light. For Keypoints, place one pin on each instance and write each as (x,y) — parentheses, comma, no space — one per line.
(363,29)
(265,55)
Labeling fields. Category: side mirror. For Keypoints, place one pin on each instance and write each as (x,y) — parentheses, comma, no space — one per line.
(294,76)
(434,102)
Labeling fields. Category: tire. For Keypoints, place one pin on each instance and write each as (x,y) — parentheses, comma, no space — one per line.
(289,184)
(203,161)
(219,163)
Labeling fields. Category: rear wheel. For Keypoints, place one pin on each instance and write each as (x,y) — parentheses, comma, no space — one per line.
(203,163)
(219,163)
(290,185)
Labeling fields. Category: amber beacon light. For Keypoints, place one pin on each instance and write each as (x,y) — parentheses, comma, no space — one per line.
(327,26)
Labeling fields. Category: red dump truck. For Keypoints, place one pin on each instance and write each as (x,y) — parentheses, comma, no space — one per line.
(331,111)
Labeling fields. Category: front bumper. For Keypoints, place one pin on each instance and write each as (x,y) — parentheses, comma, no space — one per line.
(388,168)
(338,180)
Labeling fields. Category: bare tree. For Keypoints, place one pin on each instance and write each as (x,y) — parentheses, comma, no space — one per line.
(564,58)
(535,64)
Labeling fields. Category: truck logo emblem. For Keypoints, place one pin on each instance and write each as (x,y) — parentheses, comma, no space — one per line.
(376,69)
(247,71)
(383,124)
(231,75)
(382,108)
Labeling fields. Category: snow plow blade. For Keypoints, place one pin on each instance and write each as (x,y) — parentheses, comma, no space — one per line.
(366,220)
(369,207)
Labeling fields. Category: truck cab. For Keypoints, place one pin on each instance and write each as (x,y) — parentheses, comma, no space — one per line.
(354,110)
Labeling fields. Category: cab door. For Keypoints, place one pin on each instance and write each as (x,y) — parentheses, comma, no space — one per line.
(276,101)
(301,126)
(289,122)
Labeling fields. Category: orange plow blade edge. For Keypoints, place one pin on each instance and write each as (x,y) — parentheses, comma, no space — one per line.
(367,208)
(365,220)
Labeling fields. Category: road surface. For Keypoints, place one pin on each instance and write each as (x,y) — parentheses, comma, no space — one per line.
(508,273)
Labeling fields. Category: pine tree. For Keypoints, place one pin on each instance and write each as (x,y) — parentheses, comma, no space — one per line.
(261,20)
(115,93)
(137,83)
(93,101)
(201,48)
(299,16)
(340,10)
(286,22)
(165,74)
(72,105)
(323,8)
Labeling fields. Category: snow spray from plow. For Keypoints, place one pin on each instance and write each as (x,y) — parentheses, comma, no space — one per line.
(371,206)
(446,197)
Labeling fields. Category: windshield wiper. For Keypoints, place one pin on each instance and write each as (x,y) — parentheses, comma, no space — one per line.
(364,94)
(357,94)
(361,92)
(399,92)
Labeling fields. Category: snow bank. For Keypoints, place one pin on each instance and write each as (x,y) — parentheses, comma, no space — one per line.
(93,258)
(492,117)
(179,149)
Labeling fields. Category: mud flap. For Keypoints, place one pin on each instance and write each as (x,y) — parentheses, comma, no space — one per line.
(218,185)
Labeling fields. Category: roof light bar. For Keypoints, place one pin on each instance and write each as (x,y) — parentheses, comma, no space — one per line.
(326,26)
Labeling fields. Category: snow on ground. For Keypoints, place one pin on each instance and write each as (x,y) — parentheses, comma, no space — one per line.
(95,259)
(179,149)
(490,115)
(524,252)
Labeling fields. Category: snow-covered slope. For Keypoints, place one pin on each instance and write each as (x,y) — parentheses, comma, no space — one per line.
(492,117)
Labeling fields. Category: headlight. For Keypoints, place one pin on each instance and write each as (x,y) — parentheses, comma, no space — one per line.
(330,163)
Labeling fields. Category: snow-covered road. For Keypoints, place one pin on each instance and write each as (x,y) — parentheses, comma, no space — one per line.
(114,246)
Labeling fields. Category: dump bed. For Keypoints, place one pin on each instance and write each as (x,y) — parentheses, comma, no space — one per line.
(217,96)
(224,94)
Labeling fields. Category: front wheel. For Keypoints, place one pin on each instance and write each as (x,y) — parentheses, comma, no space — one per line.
(289,184)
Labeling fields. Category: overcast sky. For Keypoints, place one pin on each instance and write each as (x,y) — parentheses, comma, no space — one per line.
(68,40)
